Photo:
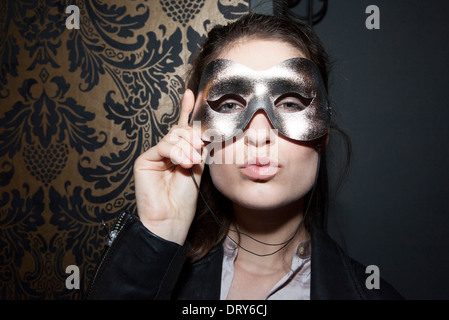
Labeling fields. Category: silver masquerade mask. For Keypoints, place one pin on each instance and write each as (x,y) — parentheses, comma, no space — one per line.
(292,94)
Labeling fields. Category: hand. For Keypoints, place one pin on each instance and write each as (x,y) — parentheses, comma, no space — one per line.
(166,196)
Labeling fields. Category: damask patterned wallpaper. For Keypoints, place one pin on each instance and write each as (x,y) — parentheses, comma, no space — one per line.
(77,106)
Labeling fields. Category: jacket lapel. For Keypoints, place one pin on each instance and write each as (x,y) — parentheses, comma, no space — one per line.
(202,279)
(332,276)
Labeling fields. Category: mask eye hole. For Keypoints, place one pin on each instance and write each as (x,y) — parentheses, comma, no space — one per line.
(292,102)
(229,103)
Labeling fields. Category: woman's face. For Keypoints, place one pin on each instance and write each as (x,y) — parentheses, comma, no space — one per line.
(267,170)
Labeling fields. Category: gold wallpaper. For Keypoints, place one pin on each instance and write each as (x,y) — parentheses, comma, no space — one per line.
(77,106)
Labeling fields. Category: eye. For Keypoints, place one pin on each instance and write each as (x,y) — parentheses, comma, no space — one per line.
(290,105)
(292,102)
(229,107)
(228,103)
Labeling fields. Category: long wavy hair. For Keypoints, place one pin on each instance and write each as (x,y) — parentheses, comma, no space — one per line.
(205,232)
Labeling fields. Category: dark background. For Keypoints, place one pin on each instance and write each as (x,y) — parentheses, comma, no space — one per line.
(389,88)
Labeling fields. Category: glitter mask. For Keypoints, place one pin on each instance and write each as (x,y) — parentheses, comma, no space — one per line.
(306,115)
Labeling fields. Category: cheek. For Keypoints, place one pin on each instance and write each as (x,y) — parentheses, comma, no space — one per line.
(224,177)
(300,167)
(223,163)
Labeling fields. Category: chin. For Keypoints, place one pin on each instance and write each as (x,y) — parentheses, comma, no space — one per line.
(262,203)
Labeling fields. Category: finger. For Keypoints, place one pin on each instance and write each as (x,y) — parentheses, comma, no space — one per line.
(178,157)
(154,159)
(187,103)
(174,148)
(179,153)
(186,133)
(189,151)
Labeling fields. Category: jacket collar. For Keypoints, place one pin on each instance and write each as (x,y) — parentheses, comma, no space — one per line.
(332,276)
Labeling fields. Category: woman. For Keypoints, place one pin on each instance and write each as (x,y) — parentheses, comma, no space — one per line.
(258,88)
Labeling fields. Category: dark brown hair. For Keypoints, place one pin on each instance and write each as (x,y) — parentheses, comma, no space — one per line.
(205,232)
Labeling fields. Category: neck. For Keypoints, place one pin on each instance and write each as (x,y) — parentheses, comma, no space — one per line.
(272,226)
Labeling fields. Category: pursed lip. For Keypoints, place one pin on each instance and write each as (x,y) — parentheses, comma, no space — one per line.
(260,168)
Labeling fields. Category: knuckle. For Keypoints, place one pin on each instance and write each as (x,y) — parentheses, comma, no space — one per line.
(139,162)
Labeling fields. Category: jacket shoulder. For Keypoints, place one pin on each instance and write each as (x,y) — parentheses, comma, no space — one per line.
(336,275)
(364,275)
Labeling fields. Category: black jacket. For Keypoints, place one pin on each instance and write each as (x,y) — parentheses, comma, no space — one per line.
(140,265)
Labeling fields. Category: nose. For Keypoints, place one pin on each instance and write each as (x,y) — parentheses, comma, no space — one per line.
(258,131)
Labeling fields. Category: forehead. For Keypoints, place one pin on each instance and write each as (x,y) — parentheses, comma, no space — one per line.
(260,54)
